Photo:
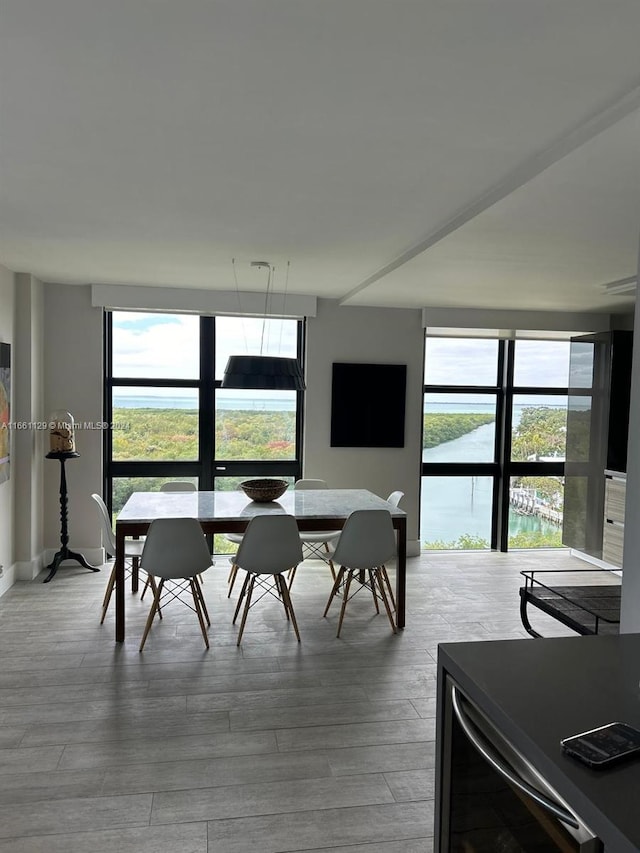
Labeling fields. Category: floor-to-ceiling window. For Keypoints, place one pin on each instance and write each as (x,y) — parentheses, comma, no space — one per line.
(493,443)
(171,418)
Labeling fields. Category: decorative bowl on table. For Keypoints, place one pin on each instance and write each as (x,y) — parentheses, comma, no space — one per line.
(264,489)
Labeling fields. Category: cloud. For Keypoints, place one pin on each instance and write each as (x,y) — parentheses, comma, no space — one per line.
(167,346)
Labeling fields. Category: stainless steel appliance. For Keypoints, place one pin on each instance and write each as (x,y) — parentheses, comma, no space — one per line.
(493,800)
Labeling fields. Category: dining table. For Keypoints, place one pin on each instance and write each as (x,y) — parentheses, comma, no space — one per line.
(231,511)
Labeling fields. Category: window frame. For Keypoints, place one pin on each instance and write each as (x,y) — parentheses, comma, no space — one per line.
(206,468)
(503,468)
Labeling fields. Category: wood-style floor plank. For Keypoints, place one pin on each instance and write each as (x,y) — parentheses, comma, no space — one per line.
(325,745)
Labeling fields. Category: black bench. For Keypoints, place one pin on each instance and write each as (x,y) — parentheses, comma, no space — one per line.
(592,607)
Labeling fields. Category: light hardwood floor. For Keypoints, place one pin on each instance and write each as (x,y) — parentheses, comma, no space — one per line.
(327,745)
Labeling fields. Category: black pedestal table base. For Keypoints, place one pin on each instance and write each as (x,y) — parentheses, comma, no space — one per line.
(65,553)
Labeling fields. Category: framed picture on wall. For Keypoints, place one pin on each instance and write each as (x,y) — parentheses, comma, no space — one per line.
(5,409)
(368,405)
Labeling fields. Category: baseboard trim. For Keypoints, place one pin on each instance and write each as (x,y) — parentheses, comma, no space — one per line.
(413,548)
(27,570)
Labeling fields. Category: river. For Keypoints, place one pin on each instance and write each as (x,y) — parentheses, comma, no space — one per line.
(454,506)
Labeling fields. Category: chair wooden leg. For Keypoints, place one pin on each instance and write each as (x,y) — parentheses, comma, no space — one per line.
(194,583)
(242,595)
(372,585)
(291,575)
(107,594)
(288,605)
(203,604)
(379,577)
(150,583)
(345,598)
(232,578)
(154,607)
(330,562)
(334,589)
(385,576)
(279,582)
(247,605)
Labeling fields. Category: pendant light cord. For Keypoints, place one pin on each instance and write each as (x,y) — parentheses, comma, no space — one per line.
(266,304)
(284,305)
(244,331)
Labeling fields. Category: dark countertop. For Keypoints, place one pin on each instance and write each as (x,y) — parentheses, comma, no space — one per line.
(539,691)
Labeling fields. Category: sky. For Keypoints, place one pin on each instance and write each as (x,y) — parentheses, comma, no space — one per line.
(167,345)
(466,361)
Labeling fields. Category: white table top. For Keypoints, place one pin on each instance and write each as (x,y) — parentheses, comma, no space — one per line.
(235,506)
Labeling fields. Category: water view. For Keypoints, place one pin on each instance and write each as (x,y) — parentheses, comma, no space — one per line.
(455,511)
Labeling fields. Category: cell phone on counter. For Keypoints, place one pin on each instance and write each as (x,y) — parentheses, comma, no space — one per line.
(604,746)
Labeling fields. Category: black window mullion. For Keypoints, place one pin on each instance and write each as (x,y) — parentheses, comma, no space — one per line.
(107,407)
(300,398)
(153,382)
(206,433)
(501,513)
(501,367)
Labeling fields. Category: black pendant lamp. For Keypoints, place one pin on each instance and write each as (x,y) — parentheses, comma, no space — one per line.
(264,372)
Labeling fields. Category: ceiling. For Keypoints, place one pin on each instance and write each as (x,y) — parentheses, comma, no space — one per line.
(409,153)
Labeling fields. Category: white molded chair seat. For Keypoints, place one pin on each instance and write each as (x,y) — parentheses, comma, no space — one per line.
(270,547)
(132,551)
(366,543)
(176,552)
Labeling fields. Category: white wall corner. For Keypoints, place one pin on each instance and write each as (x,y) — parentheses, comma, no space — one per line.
(28,570)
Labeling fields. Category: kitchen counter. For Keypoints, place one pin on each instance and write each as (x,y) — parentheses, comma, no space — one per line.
(538,691)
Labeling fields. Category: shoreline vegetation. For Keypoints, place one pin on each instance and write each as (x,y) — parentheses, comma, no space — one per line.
(444,426)
(171,434)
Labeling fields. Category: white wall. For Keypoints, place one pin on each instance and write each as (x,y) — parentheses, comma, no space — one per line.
(7,489)
(29,444)
(73,381)
(366,335)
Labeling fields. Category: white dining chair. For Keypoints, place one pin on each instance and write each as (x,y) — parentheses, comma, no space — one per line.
(366,543)
(316,544)
(132,552)
(175,486)
(395,498)
(176,552)
(236,539)
(178,486)
(269,548)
